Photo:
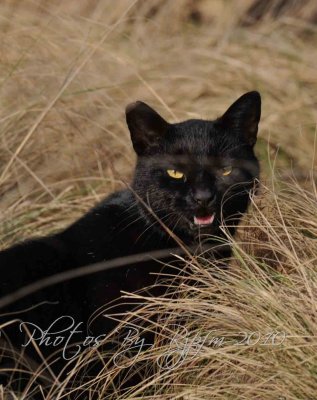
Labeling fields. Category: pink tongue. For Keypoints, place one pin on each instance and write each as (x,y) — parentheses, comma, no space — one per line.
(204,220)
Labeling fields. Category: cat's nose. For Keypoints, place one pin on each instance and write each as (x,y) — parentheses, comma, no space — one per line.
(204,197)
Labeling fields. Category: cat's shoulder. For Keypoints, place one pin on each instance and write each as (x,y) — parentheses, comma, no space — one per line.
(107,213)
(120,199)
(114,205)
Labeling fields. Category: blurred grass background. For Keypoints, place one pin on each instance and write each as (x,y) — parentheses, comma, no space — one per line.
(67,71)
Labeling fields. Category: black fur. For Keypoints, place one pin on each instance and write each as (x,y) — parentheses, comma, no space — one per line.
(124,223)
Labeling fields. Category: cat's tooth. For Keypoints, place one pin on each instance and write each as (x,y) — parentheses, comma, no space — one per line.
(204,220)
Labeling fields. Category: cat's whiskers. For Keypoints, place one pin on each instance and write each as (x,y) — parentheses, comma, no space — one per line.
(174,227)
(232,188)
(153,224)
(130,223)
(136,213)
(227,197)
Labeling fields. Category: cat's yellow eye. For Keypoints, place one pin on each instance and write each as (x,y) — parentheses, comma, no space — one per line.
(175,174)
(226,171)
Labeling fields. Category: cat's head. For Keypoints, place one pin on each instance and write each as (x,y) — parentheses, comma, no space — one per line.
(196,174)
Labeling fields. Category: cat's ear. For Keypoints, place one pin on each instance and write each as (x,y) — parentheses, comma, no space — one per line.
(243,116)
(146,126)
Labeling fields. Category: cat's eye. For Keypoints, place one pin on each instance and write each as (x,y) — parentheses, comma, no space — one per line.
(175,174)
(226,171)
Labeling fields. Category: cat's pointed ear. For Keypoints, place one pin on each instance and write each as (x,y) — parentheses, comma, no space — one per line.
(243,116)
(146,126)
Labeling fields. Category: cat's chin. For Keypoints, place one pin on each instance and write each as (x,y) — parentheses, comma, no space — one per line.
(204,224)
(211,228)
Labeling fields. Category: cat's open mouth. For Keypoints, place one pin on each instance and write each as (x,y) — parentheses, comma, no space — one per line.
(204,221)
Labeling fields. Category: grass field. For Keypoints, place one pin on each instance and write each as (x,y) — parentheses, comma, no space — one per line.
(68,69)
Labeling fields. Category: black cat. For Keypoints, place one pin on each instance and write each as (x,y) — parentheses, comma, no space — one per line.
(190,178)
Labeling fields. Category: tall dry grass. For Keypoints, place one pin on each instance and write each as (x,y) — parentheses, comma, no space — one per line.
(67,72)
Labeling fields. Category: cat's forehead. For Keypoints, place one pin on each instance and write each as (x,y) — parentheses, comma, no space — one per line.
(199,138)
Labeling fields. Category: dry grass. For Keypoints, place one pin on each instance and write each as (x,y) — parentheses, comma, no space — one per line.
(67,73)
